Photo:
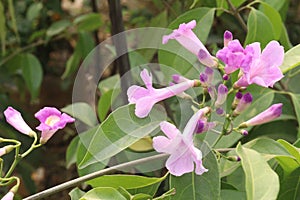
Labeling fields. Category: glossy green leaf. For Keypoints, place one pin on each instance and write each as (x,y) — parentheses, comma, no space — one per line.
(120,130)
(260,28)
(103,193)
(277,4)
(193,186)
(32,72)
(88,22)
(268,148)
(291,59)
(34,11)
(58,27)
(261,181)
(274,18)
(137,184)
(76,194)
(82,111)
(2,29)
(290,186)
(71,154)
(173,54)
(224,5)
(232,194)
(72,65)
(85,44)
(292,150)
(284,38)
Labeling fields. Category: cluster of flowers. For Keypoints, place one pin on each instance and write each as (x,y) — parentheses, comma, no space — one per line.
(255,67)
(51,120)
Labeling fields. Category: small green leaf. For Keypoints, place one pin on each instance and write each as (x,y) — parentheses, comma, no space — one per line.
(121,129)
(296,103)
(291,59)
(76,193)
(261,181)
(72,65)
(34,11)
(142,145)
(85,44)
(103,193)
(105,102)
(58,27)
(193,186)
(290,186)
(232,194)
(88,22)
(71,154)
(138,184)
(224,5)
(260,28)
(32,72)
(110,83)
(82,111)
(291,149)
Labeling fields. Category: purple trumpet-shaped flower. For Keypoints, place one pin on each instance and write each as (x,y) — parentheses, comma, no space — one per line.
(15,119)
(264,69)
(184,156)
(227,38)
(145,98)
(188,39)
(243,104)
(222,95)
(51,121)
(9,196)
(204,126)
(235,56)
(268,115)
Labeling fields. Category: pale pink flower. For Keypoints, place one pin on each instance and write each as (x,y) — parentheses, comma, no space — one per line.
(188,39)
(184,156)
(268,115)
(145,98)
(51,120)
(264,69)
(15,119)
(9,196)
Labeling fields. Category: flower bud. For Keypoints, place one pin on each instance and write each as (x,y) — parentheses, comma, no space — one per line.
(243,104)
(227,38)
(9,196)
(236,99)
(268,115)
(222,95)
(15,119)
(206,59)
(6,149)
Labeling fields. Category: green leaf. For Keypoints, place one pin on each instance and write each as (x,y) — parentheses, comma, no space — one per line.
(110,83)
(232,194)
(72,64)
(82,111)
(296,103)
(34,11)
(174,55)
(291,149)
(268,148)
(76,193)
(2,29)
(32,73)
(277,4)
(205,186)
(103,193)
(260,28)
(138,184)
(120,130)
(88,22)
(58,27)
(291,59)
(11,9)
(290,186)
(261,181)
(224,5)
(274,17)
(85,44)
(71,154)
(284,38)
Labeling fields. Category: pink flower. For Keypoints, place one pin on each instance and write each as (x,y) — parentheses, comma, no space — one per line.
(51,120)
(222,95)
(243,104)
(264,69)
(145,98)
(15,119)
(188,39)
(235,56)
(227,38)
(184,156)
(266,116)
(9,196)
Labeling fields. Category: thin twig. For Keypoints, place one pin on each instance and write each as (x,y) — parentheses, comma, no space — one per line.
(238,16)
(77,181)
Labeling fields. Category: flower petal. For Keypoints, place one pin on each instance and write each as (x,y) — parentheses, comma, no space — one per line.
(161,144)
(180,163)
(144,105)
(147,78)
(169,129)
(135,92)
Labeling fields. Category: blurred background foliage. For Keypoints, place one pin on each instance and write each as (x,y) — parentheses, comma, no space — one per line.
(43,43)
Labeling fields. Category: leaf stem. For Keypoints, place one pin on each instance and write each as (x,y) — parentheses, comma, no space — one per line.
(77,181)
